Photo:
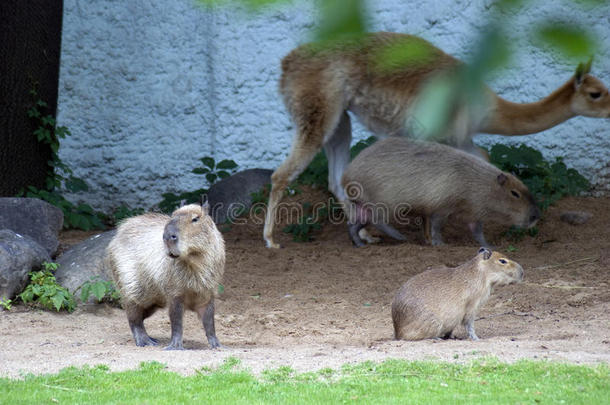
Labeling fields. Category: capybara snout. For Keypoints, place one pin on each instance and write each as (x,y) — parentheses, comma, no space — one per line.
(170,238)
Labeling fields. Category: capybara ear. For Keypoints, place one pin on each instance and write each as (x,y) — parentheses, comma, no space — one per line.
(502,179)
(486,253)
(205,206)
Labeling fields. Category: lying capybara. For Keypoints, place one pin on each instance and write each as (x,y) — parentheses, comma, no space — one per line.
(158,261)
(433,303)
(434,180)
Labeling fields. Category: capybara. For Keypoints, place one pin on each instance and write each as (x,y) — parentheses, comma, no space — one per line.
(158,261)
(397,174)
(433,303)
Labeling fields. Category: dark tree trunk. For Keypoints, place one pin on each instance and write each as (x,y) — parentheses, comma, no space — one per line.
(30,41)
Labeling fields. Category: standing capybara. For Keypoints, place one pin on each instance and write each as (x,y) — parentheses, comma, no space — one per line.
(433,303)
(434,180)
(158,261)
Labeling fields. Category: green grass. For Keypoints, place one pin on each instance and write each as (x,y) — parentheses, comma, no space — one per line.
(393,381)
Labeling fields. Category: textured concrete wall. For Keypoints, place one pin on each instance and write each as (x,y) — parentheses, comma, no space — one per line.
(148,87)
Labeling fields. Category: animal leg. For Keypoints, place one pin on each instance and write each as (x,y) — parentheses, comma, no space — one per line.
(469,325)
(135,317)
(337,153)
(435,224)
(176,312)
(206,314)
(315,119)
(476,228)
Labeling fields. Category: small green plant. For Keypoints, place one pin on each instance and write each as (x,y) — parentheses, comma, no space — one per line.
(6,304)
(307,223)
(43,290)
(548,182)
(60,178)
(102,290)
(213,172)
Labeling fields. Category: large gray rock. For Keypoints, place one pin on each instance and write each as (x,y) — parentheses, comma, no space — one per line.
(32,217)
(83,262)
(230,197)
(19,255)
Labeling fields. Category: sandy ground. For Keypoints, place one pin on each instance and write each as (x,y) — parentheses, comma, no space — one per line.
(325,303)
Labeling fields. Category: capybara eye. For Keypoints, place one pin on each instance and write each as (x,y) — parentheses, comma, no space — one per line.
(595,95)
(195,219)
(515,194)
(502,261)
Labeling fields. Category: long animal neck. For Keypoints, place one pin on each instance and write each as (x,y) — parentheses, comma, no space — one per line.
(509,118)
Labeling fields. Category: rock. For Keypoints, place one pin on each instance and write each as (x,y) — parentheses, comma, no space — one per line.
(575,217)
(83,262)
(19,255)
(230,197)
(32,217)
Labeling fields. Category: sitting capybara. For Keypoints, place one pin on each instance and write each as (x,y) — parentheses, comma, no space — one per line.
(435,181)
(158,261)
(433,303)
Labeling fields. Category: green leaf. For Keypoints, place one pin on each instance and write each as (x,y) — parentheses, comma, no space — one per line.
(226,164)
(209,162)
(58,301)
(574,42)
(341,19)
(201,170)
(211,177)
(99,290)
(223,174)
(85,291)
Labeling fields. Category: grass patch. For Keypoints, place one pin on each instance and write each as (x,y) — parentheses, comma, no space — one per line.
(393,381)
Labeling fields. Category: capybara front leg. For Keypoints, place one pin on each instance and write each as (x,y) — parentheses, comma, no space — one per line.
(207,317)
(135,317)
(176,313)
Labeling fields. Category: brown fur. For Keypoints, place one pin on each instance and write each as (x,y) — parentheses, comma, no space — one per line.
(158,261)
(436,181)
(318,85)
(433,303)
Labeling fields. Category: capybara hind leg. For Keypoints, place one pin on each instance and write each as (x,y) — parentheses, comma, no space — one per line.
(135,317)
(176,312)
(207,318)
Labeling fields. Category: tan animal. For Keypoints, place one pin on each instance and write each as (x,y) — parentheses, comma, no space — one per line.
(436,181)
(319,86)
(158,261)
(433,303)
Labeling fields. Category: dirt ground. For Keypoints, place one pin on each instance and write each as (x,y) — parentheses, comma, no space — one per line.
(325,303)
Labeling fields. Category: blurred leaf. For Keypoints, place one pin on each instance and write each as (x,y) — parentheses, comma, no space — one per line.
(341,19)
(432,111)
(410,51)
(572,41)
